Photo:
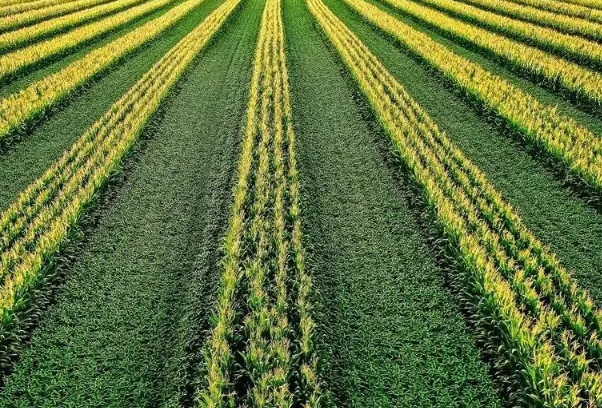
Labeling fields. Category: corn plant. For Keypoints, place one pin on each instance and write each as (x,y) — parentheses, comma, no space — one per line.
(540,330)
(37,225)
(261,341)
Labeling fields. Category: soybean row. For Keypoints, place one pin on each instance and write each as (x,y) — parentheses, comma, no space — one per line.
(559,136)
(18,61)
(27,35)
(38,223)
(540,329)
(33,101)
(261,352)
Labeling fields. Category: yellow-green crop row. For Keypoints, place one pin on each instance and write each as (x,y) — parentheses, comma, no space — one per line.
(11,21)
(582,82)
(18,6)
(50,207)
(571,46)
(573,145)
(566,24)
(12,227)
(561,7)
(27,35)
(16,61)
(540,329)
(5,3)
(78,72)
(11,2)
(597,4)
(31,102)
(263,255)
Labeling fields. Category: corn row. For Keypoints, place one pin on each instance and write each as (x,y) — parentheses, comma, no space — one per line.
(560,7)
(4,3)
(98,153)
(14,62)
(308,391)
(267,355)
(571,46)
(580,81)
(498,202)
(18,6)
(27,35)
(11,18)
(566,24)
(31,102)
(573,145)
(596,4)
(529,314)
(15,221)
(264,258)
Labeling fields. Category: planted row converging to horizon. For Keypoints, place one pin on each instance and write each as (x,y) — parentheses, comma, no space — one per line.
(581,82)
(17,61)
(596,4)
(574,146)
(16,38)
(540,329)
(567,45)
(19,108)
(261,343)
(18,6)
(11,19)
(569,8)
(37,224)
(566,24)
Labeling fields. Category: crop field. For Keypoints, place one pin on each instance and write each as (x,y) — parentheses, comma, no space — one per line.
(301,203)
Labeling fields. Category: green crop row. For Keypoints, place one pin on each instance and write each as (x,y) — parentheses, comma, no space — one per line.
(540,329)
(580,81)
(38,223)
(563,139)
(31,102)
(263,325)
(566,24)
(584,11)
(20,5)
(17,61)
(597,4)
(27,35)
(30,13)
(568,45)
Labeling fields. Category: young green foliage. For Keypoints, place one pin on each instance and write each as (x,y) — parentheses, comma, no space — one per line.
(36,226)
(261,352)
(538,327)
(32,101)
(559,136)
(27,35)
